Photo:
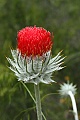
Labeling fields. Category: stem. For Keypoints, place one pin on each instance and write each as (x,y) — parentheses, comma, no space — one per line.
(32,97)
(38,102)
(74,105)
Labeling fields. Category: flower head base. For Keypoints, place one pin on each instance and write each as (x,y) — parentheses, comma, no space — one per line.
(66,87)
(34,41)
(35,70)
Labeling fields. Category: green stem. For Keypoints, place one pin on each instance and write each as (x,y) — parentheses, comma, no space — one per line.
(38,102)
(32,97)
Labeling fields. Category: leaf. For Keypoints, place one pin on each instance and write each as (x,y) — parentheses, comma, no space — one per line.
(37,65)
(11,62)
(57,61)
(29,67)
(57,57)
(14,54)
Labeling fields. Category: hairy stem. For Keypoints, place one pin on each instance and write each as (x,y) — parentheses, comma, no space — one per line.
(38,102)
(32,97)
(74,105)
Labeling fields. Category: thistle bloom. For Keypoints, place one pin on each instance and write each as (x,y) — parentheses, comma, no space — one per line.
(33,41)
(70,90)
(66,87)
(32,60)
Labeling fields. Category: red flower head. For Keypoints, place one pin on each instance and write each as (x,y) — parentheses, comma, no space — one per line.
(34,41)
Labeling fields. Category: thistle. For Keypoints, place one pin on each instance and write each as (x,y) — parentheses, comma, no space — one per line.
(32,62)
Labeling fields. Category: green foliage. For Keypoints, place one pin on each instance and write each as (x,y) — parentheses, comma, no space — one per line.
(62,17)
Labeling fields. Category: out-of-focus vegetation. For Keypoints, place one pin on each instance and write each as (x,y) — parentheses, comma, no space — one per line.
(62,18)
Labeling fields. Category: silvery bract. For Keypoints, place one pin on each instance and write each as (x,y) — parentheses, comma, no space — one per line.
(35,70)
(66,87)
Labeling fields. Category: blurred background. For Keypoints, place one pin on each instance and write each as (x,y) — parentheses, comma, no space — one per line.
(60,17)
